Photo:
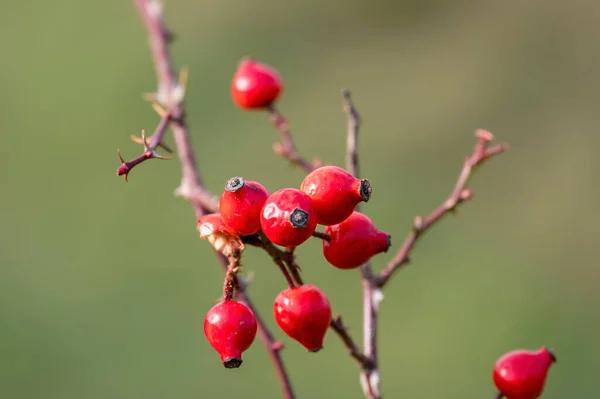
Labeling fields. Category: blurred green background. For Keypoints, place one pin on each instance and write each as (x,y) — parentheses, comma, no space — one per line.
(104,285)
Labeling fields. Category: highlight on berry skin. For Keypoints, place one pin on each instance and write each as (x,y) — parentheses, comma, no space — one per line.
(287,217)
(255,85)
(521,374)
(230,328)
(334,193)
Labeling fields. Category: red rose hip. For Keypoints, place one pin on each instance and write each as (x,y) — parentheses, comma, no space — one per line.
(354,241)
(230,328)
(303,313)
(287,217)
(334,193)
(255,85)
(240,205)
(521,374)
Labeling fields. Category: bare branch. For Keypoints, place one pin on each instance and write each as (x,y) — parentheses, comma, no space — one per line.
(481,153)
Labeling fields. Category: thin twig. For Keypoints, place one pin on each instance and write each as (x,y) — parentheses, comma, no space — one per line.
(170,94)
(287,148)
(459,194)
(149,147)
(369,377)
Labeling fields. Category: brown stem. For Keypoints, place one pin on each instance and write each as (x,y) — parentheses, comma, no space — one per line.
(321,235)
(341,330)
(287,148)
(459,194)
(369,377)
(230,275)
(170,94)
(293,266)
(500,395)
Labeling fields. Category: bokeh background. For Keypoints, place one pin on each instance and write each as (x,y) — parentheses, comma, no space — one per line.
(104,285)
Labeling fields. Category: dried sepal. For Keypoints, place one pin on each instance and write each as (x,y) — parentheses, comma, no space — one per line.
(222,238)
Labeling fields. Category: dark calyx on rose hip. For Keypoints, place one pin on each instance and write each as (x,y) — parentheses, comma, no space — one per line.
(234,184)
(299,218)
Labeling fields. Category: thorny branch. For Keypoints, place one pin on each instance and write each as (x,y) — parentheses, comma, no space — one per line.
(171,94)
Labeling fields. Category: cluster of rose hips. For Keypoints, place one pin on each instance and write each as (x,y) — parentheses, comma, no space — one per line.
(288,217)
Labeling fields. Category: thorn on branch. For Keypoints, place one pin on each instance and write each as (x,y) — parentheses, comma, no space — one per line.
(418,224)
(169,36)
(277,346)
(127,166)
